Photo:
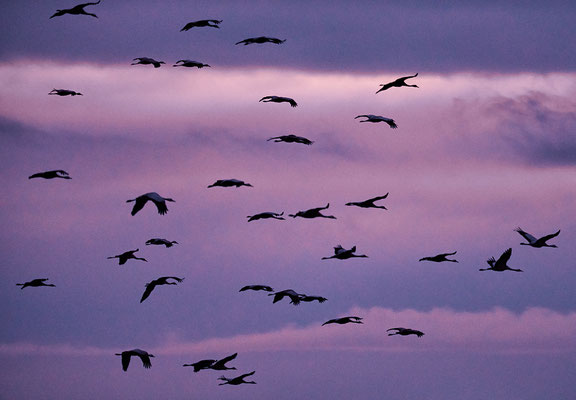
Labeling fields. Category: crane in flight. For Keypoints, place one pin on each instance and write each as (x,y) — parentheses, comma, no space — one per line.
(537,243)
(377,118)
(76,10)
(500,265)
(260,40)
(212,23)
(144,356)
(159,202)
(397,83)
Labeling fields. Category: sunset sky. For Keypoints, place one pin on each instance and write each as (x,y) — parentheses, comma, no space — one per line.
(484,145)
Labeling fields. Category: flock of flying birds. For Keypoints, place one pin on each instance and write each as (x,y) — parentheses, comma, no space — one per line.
(340,253)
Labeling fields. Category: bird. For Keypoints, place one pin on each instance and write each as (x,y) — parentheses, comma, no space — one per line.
(260,40)
(291,139)
(190,63)
(312,213)
(202,364)
(369,203)
(64,92)
(265,215)
(144,356)
(343,254)
(236,380)
(160,281)
(500,265)
(257,288)
(229,183)
(404,332)
(158,241)
(541,242)
(147,61)
(294,297)
(378,118)
(308,299)
(35,283)
(344,320)
(57,173)
(278,99)
(397,83)
(122,258)
(212,23)
(220,365)
(154,197)
(439,257)
(76,10)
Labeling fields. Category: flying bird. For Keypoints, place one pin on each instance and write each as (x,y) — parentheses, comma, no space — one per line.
(220,365)
(190,64)
(294,297)
(229,183)
(64,92)
(378,118)
(257,288)
(200,365)
(541,242)
(344,320)
(439,257)
(265,215)
(144,356)
(237,380)
(291,139)
(147,61)
(57,173)
(260,40)
(160,281)
(122,258)
(397,83)
(212,23)
(278,99)
(158,241)
(404,332)
(369,203)
(313,213)
(35,283)
(76,10)
(500,265)
(154,197)
(308,299)
(343,254)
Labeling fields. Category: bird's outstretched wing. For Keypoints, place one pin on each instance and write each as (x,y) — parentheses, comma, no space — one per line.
(526,235)
(504,257)
(548,237)
(125,361)
(447,254)
(149,288)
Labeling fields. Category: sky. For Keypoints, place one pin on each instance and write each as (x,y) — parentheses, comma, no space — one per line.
(484,145)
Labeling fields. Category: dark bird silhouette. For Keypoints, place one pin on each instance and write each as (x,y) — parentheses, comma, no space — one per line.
(158,241)
(122,258)
(308,299)
(154,197)
(291,139)
(220,365)
(212,23)
(144,356)
(147,61)
(278,99)
(541,242)
(190,64)
(257,288)
(294,297)
(64,92)
(343,254)
(76,10)
(404,332)
(344,320)
(160,281)
(313,213)
(200,365)
(439,257)
(369,203)
(265,215)
(57,173)
(35,283)
(378,118)
(229,183)
(260,40)
(237,380)
(500,265)
(397,83)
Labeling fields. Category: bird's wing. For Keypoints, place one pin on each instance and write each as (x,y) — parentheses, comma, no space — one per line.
(161,206)
(245,375)
(378,198)
(411,76)
(226,359)
(87,4)
(175,278)
(548,237)
(145,360)
(390,122)
(384,87)
(61,171)
(447,254)
(394,329)
(138,204)
(292,102)
(125,360)
(360,116)
(526,235)
(504,257)
(266,97)
(149,288)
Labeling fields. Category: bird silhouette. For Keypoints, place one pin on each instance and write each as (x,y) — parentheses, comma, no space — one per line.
(378,118)
(291,139)
(397,83)
(158,241)
(64,92)
(147,61)
(309,299)
(57,173)
(369,203)
(404,332)
(278,99)
(229,183)
(313,213)
(294,296)
(236,380)
(35,283)
(439,257)
(144,356)
(500,265)
(76,10)
(200,365)
(541,242)
(257,288)
(212,23)
(122,258)
(265,215)
(220,365)
(343,254)
(344,320)
(160,281)
(190,64)
(260,40)
(154,197)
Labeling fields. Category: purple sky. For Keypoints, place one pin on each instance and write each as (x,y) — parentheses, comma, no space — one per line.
(485,144)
